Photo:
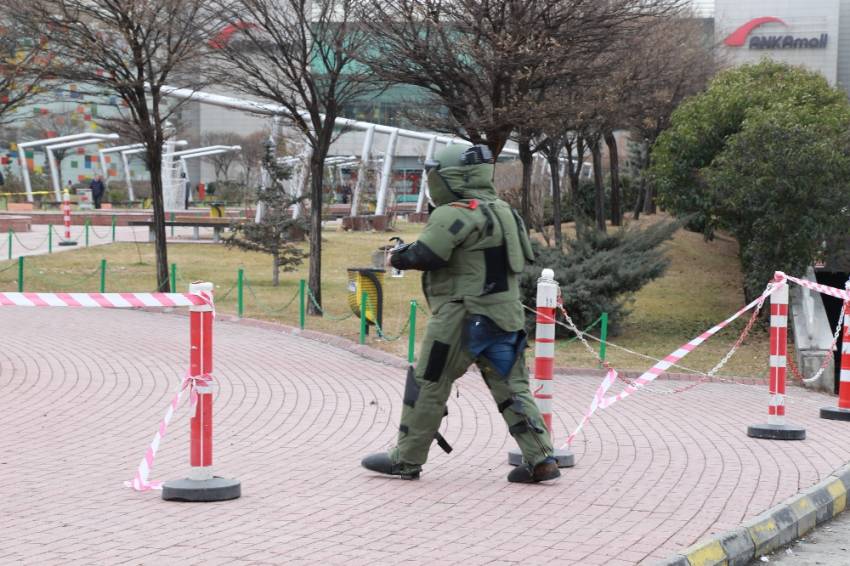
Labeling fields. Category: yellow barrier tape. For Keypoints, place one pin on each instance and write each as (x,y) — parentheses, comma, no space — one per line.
(34,192)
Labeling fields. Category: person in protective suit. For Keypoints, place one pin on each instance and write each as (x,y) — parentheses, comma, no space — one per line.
(471,253)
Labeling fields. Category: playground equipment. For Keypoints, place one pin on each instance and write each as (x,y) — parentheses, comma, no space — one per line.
(119,148)
(51,158)
(22,154)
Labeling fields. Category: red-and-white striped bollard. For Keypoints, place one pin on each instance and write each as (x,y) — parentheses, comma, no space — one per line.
(543,385)
(777,428)
(201,485)
(842,411)
(66,214)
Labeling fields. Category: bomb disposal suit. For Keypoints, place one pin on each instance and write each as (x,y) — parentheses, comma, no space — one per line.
(471,253)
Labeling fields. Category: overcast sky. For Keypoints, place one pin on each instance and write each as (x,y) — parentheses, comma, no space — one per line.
(704,7)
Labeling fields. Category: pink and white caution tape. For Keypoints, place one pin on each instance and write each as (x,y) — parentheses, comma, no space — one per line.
(842,294)
(105,300)
(600,401)
(141,482)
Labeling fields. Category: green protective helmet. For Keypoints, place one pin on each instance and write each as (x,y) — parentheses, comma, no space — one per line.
(459,172)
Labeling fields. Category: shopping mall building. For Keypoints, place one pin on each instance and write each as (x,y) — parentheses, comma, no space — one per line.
(811,33)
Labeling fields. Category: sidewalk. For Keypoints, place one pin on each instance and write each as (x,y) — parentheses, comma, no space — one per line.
(82,391)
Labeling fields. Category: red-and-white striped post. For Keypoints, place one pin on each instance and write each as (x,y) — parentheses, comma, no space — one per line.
(842,411)
(201,485)
(66,214)
(777,428)
(543,385)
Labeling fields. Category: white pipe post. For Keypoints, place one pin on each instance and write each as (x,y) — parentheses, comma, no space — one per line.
(361,172)
(54,174)
(127,179)
(305,177)
(423,183)
(386,174)
(25,171)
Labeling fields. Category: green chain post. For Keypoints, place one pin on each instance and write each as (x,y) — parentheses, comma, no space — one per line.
(603,336)
(11,235)
(363,317)
(21,274)
(240,305)
(103,276)
(411,341)
(172,225)
(113,228)
(173,277)
(88,222)
(50,238)
(302,303)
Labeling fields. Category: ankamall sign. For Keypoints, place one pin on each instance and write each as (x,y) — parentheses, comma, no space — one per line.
(740,37)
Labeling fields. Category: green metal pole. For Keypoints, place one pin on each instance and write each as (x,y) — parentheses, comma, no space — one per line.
(50,238)
(87,232)
(363,317)
(603,336)
(239,297)
(113,228)
(302,303)
(411,341)
(172,226)
(173,277)
(103,276)
(21,274)
(11,235)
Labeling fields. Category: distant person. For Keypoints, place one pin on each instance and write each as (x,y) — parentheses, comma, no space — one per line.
(97,190)
(346,195)
(187,190)
(2,180)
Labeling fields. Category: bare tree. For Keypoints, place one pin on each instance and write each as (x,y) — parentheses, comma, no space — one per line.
(130,49)
(298,54)
(63,122)
(222,161)
(23,66)
(488,63)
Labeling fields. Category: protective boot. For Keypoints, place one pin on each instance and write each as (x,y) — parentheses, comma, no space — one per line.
(543,471)
(383,463)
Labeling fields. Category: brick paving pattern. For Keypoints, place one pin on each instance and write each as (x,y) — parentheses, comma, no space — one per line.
(81,393)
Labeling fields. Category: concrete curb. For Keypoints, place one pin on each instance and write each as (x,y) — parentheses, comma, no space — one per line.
(773,529)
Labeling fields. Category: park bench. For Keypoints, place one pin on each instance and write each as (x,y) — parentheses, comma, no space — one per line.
(217,224)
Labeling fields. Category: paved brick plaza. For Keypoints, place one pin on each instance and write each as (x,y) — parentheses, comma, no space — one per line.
(81,393)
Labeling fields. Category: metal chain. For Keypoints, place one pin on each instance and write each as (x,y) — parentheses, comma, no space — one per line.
(10,266)
(62,239)
(37,246)
(711,374)
(826,359)
(66,284)
(265,307)
(392,338)
(324,314)
(98,236)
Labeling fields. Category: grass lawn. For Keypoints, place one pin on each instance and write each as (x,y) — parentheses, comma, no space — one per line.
(702,287)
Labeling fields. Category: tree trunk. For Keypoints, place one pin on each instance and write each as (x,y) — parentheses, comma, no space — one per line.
(616,209)
(526,158)
(598,181)
(317,166)
(555,171)
(649,195)
(155,168)
(275,270)
(640,196)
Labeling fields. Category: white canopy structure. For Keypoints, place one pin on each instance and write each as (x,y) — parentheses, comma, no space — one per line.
(23,146)
(51,158)
(369,129)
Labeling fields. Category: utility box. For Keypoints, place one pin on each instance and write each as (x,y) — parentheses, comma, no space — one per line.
(371,281)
